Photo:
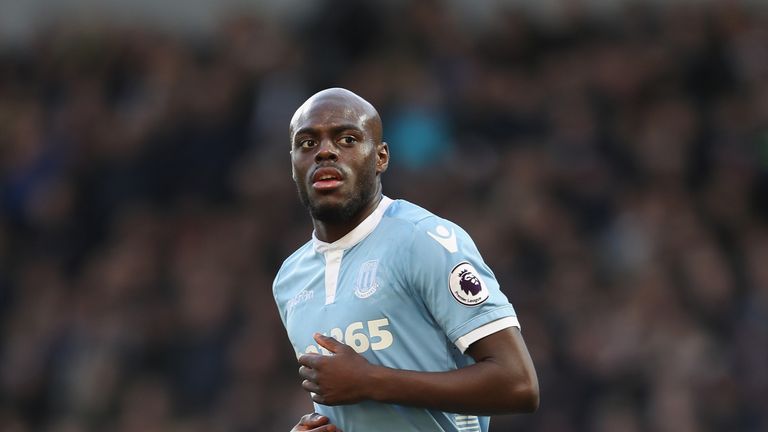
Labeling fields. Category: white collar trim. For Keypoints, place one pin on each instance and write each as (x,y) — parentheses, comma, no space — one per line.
(358,233)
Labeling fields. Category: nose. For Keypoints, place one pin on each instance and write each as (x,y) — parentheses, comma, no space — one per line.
(326,151)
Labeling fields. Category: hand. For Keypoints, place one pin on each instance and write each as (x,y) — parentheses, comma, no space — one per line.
(315,423)
(337,379)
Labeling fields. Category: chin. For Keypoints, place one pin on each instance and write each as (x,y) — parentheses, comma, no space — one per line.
(331,212)
(336,207)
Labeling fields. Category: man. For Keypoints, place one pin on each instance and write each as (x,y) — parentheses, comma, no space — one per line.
(397,322)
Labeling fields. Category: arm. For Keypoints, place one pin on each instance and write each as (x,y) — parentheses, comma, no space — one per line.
(502,381)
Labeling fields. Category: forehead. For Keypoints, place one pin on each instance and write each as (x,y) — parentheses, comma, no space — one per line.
(329,113)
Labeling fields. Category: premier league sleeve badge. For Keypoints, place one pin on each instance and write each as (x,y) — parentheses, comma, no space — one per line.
(466,285)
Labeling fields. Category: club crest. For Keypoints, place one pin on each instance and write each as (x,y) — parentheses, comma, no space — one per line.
(466,286)
(366,283)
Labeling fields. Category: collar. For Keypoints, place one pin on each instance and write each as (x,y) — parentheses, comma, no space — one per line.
(358,233)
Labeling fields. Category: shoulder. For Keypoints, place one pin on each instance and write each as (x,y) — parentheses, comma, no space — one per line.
(426,229)
(293,261)
(408,213)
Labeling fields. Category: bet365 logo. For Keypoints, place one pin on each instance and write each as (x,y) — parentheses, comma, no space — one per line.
(360,336)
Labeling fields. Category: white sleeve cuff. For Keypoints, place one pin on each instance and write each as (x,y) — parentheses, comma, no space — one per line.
(492,327)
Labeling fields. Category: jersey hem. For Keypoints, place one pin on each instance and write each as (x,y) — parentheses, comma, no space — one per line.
(479,321)
(492,327)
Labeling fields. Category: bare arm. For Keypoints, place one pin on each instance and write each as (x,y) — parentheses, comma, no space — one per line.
(502,381)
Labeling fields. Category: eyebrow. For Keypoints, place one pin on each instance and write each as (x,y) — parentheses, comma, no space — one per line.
(335,129)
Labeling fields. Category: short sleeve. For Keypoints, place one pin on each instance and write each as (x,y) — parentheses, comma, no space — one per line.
(457,287)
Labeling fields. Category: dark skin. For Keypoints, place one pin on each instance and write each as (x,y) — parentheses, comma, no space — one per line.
(340,132)
(315,423)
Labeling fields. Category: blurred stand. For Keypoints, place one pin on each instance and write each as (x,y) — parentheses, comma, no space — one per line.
(612,167)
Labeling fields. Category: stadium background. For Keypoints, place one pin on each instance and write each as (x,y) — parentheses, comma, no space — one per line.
(609,158)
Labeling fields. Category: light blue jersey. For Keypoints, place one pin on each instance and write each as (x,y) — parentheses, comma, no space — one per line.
(407,290)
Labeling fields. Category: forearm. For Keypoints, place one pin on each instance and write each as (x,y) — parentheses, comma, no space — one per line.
(486,388)
(502,380)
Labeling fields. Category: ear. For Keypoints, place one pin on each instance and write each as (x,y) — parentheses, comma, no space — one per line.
(382,157)
(293,169)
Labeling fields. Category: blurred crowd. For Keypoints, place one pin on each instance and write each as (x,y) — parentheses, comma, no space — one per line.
(613,171)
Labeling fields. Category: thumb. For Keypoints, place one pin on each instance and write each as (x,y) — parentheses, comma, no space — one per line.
(328,343)
(313,420)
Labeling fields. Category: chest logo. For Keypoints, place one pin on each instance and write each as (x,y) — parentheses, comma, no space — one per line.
(303,296)
(366,284)
(466,286)
(447,239)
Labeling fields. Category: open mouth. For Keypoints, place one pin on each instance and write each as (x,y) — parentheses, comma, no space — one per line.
(325,179)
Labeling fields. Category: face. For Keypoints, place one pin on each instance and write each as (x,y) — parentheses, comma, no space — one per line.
(337,155)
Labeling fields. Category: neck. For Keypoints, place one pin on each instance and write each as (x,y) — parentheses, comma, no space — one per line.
(330,232)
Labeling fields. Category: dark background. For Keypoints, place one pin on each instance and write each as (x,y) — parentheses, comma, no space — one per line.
(611,166)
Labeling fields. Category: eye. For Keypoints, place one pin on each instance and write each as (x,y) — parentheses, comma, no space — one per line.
(306,143)
(348,140)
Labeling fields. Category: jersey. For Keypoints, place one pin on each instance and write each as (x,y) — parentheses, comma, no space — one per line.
(407,290)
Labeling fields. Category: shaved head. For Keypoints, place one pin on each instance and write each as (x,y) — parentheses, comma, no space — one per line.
(337,156)
(335,100)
